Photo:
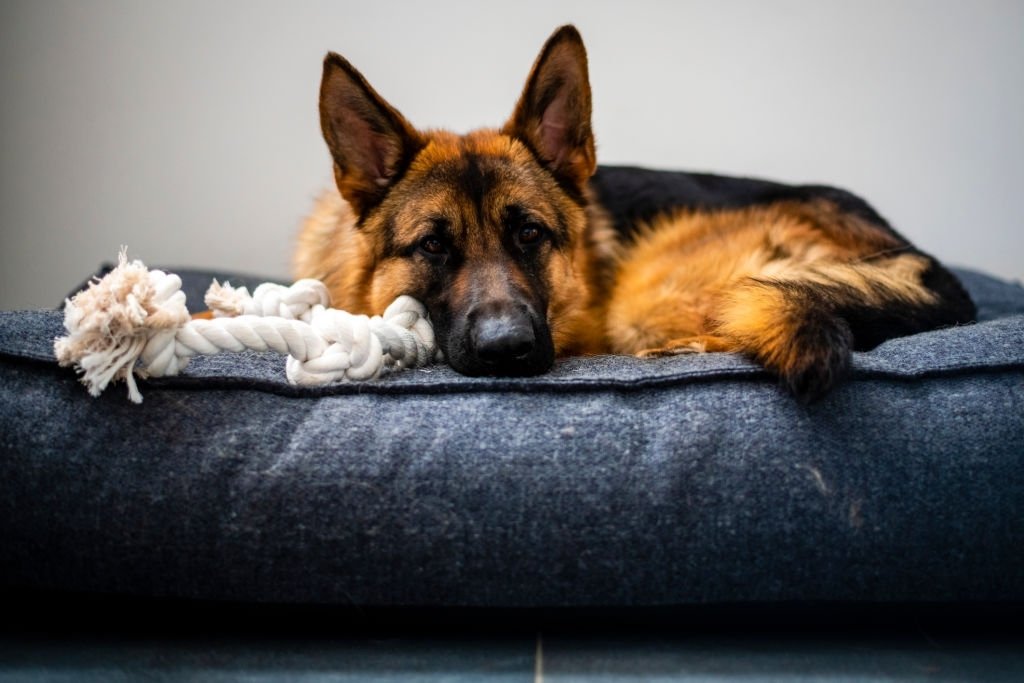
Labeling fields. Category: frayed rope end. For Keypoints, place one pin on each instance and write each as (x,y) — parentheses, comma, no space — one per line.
(110,322)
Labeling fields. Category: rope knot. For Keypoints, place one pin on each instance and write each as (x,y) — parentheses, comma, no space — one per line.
(294,302)
(135,320)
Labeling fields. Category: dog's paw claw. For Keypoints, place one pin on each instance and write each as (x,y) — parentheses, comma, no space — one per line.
(674,350)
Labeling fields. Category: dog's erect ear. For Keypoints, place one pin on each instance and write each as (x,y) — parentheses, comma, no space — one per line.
(370,141)
(553,113)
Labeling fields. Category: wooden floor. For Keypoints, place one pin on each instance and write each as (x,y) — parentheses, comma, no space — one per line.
(93,644)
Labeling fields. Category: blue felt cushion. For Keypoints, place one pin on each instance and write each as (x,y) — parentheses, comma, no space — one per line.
(609,481)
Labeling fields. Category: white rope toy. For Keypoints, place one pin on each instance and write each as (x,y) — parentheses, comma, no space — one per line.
(134,321)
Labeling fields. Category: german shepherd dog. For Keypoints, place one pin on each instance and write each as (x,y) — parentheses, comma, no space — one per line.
(523,251)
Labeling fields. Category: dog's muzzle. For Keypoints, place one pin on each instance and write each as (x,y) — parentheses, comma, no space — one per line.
(503,339)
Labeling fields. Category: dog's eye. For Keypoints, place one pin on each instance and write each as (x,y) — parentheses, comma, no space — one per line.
(529,234)
(433,246)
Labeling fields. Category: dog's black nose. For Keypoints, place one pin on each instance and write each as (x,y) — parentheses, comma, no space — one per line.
(498,339)
(503,338)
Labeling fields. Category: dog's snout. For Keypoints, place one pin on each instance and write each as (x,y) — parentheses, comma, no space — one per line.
(499,338)
(503,336)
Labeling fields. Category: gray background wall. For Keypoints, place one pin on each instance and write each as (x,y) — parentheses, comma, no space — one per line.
(188,130)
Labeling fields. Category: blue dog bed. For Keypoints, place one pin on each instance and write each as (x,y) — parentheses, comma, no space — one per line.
(610,481)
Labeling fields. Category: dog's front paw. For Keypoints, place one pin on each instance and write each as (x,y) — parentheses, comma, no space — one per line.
(698,344)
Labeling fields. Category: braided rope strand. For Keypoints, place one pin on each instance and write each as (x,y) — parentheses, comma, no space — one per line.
(134,320)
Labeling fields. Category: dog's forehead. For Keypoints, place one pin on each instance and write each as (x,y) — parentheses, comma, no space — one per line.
(474,178)
(445,149)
